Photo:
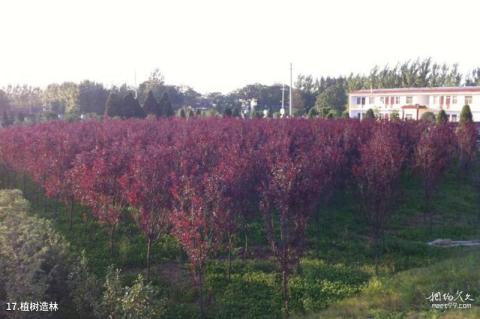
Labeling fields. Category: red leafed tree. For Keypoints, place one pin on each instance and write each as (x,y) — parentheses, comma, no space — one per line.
(295,175)
(433,154)
(466,134)
(97,174)
(147,187)
(377,175)
(197,224)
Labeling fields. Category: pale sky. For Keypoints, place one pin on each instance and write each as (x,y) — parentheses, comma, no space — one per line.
(222,45)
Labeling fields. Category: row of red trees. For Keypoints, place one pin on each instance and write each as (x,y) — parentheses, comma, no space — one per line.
(202,180)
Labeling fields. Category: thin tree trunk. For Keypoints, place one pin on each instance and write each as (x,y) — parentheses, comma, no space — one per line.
(45,203)
(245,248)
(72,203)
(376,247)
(202,302)
(149,247)
(24,185)
(112,235)
(229,267)
(285,294)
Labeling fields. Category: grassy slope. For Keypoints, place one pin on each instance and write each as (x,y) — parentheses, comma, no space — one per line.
(338,263)
(404,295)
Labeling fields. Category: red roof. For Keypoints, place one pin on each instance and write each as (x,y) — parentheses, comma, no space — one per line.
(467,89)
(414,107)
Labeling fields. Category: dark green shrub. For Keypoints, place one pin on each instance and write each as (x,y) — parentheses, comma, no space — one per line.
(442,117)
(466,114)
(428,116)
(369,115)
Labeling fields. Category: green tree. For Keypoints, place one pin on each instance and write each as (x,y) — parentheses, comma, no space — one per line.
(131,107)
(182,113)
(395,115)
(154,84)
(92,97)
(24,97)
(228,112)
(7,119)
(4,101)
(428,116)
(442,117)
(113,105)
(369,115)
(313,113)
(62,98)
(466,115)
(151,105)
(333,98)
(166,106)
(35,261)
(140,301)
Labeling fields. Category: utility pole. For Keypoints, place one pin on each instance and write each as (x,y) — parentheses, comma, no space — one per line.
(291,81)
(135,82)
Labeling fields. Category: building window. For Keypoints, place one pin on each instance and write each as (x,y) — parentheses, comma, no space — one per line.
(409,100)
(397,100)
(371,100)
(382,99)
(468,100)
(454,99)
(363,100)
(359,100)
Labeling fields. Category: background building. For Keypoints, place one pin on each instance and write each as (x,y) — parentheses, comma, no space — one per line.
(411,103)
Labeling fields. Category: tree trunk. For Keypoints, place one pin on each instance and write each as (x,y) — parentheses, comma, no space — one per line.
(24,185)
(112,235)
(202,301)
(229,267)
(149,248)
(71,213)
(45,204)
(285,294)
(245,248)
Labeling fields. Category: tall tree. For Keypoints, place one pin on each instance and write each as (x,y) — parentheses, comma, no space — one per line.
(151,106)
(433,153)
(62,98)
(92,97)
(166,106)
(466,115)
(466,134)
(113,105)
(4,101)
(290,189)
(155,84)
(378,178)
(131,107)
(333,98)
(442,117)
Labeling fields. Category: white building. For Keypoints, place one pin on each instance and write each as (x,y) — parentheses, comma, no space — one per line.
(411,103)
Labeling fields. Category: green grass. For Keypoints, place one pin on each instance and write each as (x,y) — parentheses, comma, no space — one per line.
(405,294)
(338,263)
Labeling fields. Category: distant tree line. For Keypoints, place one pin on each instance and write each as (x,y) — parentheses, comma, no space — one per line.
(314,97)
